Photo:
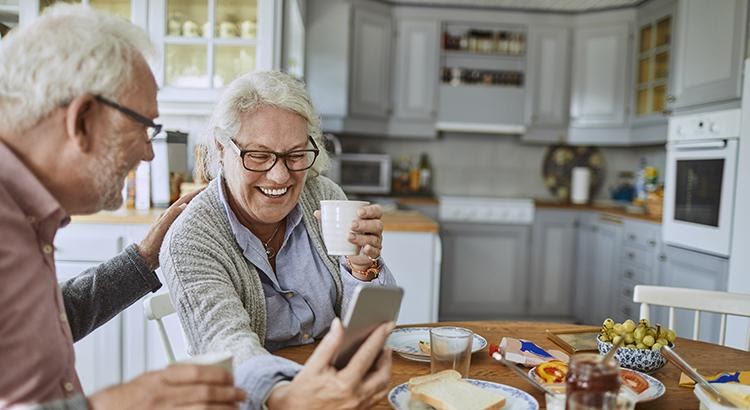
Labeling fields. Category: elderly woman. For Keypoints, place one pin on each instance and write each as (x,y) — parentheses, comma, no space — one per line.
(246,264)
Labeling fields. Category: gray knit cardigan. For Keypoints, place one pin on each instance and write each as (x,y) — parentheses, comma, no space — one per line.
(217,293)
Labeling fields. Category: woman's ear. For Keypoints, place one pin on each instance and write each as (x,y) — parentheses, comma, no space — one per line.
(79,119)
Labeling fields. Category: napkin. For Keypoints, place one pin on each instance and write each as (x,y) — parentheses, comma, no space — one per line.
(742,377)
(528,353)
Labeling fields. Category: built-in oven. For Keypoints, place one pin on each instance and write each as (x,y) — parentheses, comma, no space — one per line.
(700,181)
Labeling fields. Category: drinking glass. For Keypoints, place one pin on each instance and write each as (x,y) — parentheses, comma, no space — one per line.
(598,400)
(450,348)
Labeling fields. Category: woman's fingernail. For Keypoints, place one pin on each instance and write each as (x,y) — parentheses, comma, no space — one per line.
(352,236)
(355,225)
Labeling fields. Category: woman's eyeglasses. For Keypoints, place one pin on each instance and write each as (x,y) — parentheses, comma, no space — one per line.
(262,161)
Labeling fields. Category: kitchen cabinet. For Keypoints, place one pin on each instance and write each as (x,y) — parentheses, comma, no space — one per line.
(690,269)
(485,271)
(640,265)
(553,253)
(584,266)
(415,78)
(133,10)
(349,47)
(417,271)
(709,52)
(653,64)
(602,265)
(548,86)
(600,79)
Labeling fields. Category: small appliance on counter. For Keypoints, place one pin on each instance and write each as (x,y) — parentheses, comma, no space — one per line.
(365,173)
(168,168)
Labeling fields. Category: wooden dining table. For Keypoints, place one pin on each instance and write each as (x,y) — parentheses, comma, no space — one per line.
(706,357)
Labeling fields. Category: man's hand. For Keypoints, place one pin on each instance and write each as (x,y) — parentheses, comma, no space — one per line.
(150,245)
(177,386)
(361,384)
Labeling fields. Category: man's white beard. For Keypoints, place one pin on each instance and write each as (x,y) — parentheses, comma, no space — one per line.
(108,175)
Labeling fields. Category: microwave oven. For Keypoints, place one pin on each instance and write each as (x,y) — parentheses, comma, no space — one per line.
(365,173)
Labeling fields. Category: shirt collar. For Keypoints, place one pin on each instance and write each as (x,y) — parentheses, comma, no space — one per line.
(29,192)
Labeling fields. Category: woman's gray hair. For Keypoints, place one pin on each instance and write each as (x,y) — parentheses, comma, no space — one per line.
(67,52)
(250,92)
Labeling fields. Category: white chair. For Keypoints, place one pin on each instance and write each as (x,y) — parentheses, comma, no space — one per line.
(155,308)
(723,303)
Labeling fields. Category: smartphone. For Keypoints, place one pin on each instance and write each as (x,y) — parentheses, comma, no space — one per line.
(371,306)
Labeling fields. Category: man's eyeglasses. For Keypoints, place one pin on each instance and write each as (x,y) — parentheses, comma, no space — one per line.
(153,130)
(262,161)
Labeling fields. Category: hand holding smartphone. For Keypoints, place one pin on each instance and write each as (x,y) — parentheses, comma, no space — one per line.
(371,307)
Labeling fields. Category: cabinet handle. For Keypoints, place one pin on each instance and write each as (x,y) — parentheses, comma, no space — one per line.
(626,311)
(594,228)
(671,98)
(631,255)
(627,292)
(652,242)
(662,257)
(629,274)
(666,113)
(631,237)
(576,223)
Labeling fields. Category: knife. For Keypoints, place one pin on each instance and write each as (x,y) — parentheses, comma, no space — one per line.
(678,361)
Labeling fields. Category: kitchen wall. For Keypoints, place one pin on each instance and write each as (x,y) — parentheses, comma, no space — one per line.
(496,165)
(468,164)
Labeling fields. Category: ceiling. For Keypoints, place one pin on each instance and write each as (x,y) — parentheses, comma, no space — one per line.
(541,5)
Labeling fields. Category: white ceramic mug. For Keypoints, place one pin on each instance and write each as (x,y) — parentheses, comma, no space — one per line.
(221,359)
(336,219)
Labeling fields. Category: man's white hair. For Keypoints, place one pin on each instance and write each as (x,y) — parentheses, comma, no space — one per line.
(67,52)
(250,92)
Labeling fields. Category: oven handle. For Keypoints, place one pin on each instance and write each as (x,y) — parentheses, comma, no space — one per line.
(689,146)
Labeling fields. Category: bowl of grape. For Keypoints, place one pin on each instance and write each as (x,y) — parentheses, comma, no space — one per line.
(641,346)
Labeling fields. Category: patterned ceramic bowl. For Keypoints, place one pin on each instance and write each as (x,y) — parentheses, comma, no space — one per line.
(643,360)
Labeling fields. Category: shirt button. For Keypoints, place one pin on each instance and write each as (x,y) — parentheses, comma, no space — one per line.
(69,387)
(290,295)
(305,336)
(63,317)
(47,248)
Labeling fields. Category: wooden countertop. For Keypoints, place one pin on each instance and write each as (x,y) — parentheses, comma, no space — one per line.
(613,210)
(398,221)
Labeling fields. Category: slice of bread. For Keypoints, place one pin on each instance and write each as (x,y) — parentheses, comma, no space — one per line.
(447,391)
(443,375)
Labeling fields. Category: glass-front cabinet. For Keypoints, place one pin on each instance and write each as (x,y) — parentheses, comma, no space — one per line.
(132,10)
(653,66)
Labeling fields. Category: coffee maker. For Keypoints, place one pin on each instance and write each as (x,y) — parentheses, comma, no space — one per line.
(168,168)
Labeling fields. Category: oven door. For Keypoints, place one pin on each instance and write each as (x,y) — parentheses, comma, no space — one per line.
(699,195)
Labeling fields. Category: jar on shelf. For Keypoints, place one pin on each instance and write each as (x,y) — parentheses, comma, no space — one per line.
(502,42)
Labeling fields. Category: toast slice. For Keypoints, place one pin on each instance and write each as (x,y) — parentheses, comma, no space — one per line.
(447,391)
(443,375)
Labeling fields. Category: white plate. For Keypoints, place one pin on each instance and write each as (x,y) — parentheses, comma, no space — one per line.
(405,342)
(515,399)
(655,387)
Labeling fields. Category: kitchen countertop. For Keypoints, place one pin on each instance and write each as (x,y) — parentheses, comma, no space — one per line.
(613,210)
(397,221)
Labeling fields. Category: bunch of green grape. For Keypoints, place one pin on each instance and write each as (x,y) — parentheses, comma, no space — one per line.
(640,336)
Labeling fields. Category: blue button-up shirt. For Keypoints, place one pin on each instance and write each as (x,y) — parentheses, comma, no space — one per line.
(300,294)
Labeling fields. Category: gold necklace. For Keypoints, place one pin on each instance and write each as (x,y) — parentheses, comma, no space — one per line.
(271,252)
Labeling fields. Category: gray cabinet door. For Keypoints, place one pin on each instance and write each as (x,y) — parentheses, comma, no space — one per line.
(600,76)
(605,265)
(689,269)
(371,64)
(585,235)
(416,69)
(553,248)
(710,46)
(548,86)
(485,271)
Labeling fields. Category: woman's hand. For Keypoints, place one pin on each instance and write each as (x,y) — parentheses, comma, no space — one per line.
(360,385)
(367,232)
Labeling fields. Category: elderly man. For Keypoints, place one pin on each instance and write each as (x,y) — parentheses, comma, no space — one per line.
(77,103)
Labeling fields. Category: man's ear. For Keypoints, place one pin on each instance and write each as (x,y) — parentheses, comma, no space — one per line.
(79,120)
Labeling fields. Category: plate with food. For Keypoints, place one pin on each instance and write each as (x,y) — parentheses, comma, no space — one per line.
(447,390)
(413,343)
(645,387)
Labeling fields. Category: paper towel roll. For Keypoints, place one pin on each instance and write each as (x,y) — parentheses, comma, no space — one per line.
(580,185)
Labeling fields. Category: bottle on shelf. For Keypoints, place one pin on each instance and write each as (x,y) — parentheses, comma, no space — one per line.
(425,174)
(414,175)
(640,184)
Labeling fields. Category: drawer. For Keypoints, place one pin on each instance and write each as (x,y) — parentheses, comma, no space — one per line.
(89,245)
(640,237)
(631,273)
(637,256)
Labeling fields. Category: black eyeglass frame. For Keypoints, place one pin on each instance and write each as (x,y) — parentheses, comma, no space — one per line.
(133,116)
(276,155)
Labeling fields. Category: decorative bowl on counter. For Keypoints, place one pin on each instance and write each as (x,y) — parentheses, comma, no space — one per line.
(642,360)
